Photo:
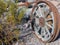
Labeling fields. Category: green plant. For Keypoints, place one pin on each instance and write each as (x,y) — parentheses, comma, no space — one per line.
(8,25)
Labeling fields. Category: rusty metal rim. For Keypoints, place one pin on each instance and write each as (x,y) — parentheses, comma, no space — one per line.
(26,4)
(53,8)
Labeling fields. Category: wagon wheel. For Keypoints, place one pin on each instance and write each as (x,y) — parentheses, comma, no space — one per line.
(46,21)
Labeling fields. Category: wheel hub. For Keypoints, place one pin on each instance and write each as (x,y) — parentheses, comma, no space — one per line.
(42,21)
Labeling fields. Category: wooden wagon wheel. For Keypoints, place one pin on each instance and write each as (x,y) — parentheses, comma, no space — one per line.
(46,21)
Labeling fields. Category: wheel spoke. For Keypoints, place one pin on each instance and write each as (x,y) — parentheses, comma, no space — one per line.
(37,21)
(39,31)
(49,19)
(48,25)
(47,31)
(35,11)
(42,31)
(47,12)
(40,11)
